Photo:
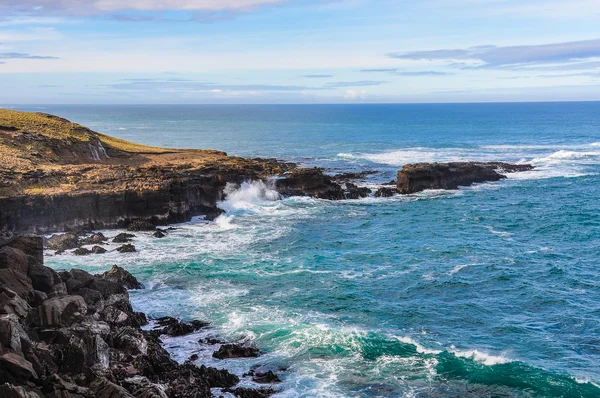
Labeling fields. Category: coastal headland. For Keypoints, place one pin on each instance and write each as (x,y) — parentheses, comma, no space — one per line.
(58,176)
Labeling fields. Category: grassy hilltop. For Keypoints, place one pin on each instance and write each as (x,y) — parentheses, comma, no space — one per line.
(42,154)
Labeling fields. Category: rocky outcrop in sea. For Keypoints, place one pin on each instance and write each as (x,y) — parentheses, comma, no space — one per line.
(421,176)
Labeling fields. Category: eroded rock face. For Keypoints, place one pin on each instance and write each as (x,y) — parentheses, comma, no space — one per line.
(421,176)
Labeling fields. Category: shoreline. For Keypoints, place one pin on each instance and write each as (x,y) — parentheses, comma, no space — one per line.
(108,351)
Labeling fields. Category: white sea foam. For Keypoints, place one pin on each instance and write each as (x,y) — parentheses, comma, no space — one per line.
(249,196)
(419,347)
(479,356)
(458,268)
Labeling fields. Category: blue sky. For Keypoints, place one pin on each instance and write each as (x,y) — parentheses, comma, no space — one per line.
(298,51)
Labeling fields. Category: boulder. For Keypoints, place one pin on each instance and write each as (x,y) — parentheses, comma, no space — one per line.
(235,351)
(265,378)
(17,282)
(32,246)
(12,303)
(385,192)
(127,248)
(61,311)
(95,239)
(81,251)
(14,259)
(98,250)
(82,276)
(102,388)
(42,278)
(123,238)
(120,275)
(158,234)
(62,242)
(10,391)
(15,368)
(11,333)
(108,288)
(421,176)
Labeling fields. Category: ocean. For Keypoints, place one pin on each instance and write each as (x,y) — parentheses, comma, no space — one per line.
(488,291)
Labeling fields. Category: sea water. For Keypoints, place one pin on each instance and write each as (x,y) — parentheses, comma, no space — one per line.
(491,290)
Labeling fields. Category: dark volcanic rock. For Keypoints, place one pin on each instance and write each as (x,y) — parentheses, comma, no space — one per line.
(310,182)
(244,392)
(385,192)
(62,242)
(173,327)
(421,176)
(158,234)
(85,341)
(354,192)
(98,250)
(127,248)
(82,251)
(95,239)
(353,176)
(141,225)
(123,238)
(122,276)
(266,377)
(235,351)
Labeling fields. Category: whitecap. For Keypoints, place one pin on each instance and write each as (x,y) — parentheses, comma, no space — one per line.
(481,357)
(419,347)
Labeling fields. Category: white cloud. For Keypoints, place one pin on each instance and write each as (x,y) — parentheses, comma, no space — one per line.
(84,7)
(355,95)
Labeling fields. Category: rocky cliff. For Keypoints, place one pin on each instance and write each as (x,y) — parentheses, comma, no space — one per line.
(57,176)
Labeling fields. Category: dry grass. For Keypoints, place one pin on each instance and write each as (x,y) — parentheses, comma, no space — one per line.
(42,154)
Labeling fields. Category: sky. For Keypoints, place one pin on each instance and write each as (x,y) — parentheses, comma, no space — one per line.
(298,51)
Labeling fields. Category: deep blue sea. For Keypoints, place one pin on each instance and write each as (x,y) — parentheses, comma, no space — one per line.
(489,291)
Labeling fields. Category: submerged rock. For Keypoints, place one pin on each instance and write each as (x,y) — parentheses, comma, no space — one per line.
(421,176)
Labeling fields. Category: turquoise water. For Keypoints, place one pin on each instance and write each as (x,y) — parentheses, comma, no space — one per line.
(492,290)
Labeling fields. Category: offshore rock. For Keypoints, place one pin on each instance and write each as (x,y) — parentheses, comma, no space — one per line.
(127,248)
(235,351)
(123,238)
(421,176)
(62,242)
